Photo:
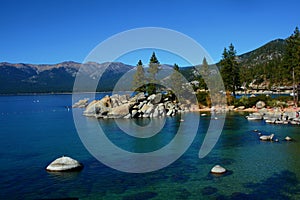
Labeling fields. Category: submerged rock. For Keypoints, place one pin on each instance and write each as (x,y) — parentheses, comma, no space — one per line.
(64,163)
(217,169)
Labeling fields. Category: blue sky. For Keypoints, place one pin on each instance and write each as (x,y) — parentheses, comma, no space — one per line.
(52,31)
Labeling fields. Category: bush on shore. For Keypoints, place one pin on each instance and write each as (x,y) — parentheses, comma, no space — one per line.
(204,99)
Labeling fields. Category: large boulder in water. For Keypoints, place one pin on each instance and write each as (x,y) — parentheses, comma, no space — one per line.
(217,169)
(98,107)
(64,163)
(120,111)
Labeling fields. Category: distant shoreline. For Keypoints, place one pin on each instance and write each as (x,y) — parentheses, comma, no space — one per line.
(49,93)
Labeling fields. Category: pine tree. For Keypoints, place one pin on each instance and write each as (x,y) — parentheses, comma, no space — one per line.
(176,81)
(153,59)
(140,63)
(153,66)
(205,67)
(230,69)
(153,70)
(292,57)
(205,73)
(139,78)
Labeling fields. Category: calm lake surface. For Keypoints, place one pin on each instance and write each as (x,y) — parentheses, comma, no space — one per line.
(36,129)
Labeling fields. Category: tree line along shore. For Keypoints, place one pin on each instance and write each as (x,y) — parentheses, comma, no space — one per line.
(235,79)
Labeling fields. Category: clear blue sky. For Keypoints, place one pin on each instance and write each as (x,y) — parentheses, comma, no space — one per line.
(52,31)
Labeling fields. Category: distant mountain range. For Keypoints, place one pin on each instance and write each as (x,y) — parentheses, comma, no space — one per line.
(31,78)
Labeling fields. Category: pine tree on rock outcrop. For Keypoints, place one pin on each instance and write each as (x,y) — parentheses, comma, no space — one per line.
(139,78)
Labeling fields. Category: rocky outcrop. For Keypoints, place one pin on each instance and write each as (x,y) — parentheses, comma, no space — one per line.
(64,163)
(139,106)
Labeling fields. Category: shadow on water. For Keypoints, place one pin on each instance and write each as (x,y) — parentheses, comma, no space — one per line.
(283,185)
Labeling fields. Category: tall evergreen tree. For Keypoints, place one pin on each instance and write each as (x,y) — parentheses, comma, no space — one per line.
(204,74)
(153,66)
(230,69)
(205,67)
(153,70)
(292,57)
(139,78)
(176,80)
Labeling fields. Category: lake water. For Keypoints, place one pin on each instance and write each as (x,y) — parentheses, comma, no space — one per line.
(36,129)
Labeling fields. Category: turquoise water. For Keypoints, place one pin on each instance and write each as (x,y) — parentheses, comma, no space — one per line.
(36,129)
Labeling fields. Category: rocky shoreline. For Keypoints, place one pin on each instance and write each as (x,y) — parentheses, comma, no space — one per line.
(139,106)
(160,105)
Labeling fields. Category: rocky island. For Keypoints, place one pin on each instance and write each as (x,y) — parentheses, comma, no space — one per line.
(138,106)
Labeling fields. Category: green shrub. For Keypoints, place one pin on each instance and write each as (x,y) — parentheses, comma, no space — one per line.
(202,98)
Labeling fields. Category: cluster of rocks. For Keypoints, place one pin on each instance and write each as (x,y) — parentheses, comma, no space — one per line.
(139,106)
(271,137)
(276,116)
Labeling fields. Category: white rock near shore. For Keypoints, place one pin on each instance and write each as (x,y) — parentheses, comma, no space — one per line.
(64,163)
(217,169)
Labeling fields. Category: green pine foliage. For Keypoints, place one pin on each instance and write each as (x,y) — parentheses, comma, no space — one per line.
(292,55)
(153,67)
(153,70)
(230,69)
(153,59)
(139,78)
(204,74)
(176,81)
